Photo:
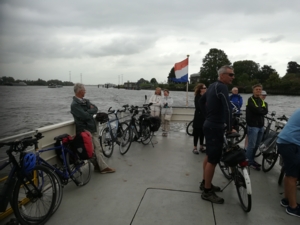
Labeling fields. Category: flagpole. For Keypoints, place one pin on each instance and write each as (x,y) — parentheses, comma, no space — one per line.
(187,86)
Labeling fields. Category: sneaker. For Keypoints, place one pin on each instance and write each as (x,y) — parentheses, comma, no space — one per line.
(214,188)
(254,166)
(107,170)
(195,151)
(293,212)
(285,203)
(212,197)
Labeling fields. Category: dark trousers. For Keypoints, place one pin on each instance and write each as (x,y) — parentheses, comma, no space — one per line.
(198,134)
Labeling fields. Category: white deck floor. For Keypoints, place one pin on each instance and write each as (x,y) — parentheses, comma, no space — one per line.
(160,185)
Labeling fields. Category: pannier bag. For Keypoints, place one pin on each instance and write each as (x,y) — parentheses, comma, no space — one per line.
(102,117)
(155,122)
(66,142)
(82,144)
(234,156)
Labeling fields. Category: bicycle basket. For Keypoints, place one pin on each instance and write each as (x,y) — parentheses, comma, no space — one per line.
(234,156)
(102,117)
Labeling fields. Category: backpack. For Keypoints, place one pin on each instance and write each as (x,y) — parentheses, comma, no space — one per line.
(102,117)
(82,144)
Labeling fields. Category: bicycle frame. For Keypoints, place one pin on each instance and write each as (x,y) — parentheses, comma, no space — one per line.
(62,174)
(113,135)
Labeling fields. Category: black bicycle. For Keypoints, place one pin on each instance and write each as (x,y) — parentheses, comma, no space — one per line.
(234,166)
(113,132)
(139,130)
(30,188)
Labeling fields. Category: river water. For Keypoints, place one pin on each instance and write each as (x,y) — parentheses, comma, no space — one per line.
(24,108)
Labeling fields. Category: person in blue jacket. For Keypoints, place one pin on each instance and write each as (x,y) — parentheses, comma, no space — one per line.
(236,99)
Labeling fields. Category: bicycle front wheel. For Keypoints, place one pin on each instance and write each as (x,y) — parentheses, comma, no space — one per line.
(79,170)
(269,159)
(243,187)
(125,141)
(189,128)
(147,135)
(34,196)
(106,142)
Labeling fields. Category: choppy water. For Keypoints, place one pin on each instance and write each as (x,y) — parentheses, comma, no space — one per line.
(26,108)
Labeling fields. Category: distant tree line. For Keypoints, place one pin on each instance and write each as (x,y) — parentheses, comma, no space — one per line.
(9,80)
(247,73)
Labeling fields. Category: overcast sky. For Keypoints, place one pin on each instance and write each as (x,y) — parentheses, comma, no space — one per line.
(108,41)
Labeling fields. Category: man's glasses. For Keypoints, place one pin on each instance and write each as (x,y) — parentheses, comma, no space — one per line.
(230,74)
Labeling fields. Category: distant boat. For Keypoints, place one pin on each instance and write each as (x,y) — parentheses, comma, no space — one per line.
(54,86)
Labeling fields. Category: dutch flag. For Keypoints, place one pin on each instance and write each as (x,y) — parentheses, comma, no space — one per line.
(181,71)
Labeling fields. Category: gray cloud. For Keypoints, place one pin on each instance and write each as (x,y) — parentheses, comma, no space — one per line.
(273,39)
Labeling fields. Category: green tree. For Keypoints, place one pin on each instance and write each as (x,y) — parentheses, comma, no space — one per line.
(273,81)
(213,60)
(153,81)
(171,75)
(293,67)
(264,73)
(5,80)
(248,67)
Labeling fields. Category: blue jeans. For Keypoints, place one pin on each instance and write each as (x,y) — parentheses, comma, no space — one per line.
(255,135)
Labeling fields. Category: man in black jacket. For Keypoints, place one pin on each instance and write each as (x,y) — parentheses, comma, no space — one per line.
(256,109)
(216,105)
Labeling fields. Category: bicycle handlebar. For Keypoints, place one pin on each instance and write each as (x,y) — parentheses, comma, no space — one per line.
(118,110)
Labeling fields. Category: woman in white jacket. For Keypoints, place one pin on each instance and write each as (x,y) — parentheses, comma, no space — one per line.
(155,100)
(166,112)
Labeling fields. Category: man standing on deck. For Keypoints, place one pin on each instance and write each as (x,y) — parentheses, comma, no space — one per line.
(83,110)
(256,109)
(216,105)
(288,143)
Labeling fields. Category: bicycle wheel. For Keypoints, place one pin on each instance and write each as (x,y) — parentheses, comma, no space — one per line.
(147,135)
(226,170)
(189,128)
(59,188)
(79,170)
(242,131)
(122,127)
(34,196)
(106,142)
(269,159)
(125,141)
(243,187)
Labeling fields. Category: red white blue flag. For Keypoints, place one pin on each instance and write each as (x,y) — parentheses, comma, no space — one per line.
(181,71)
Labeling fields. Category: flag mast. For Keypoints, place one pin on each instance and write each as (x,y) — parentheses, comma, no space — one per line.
(187,86)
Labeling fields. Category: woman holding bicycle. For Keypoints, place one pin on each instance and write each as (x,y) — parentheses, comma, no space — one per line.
(199,119)
(166,112)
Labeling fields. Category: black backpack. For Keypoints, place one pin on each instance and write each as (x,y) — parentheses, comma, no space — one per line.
(155,122)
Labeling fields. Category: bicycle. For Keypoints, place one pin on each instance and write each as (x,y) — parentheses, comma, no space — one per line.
(268,147)
(189,128)
(112,132)
(74,168)
(30,188)
(235,169)
(138,130)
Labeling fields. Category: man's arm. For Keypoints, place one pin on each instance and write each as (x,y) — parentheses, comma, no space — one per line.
(78,111)
(227,109)
(257,110)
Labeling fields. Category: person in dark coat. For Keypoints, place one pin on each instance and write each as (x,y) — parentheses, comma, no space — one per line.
(199,119)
